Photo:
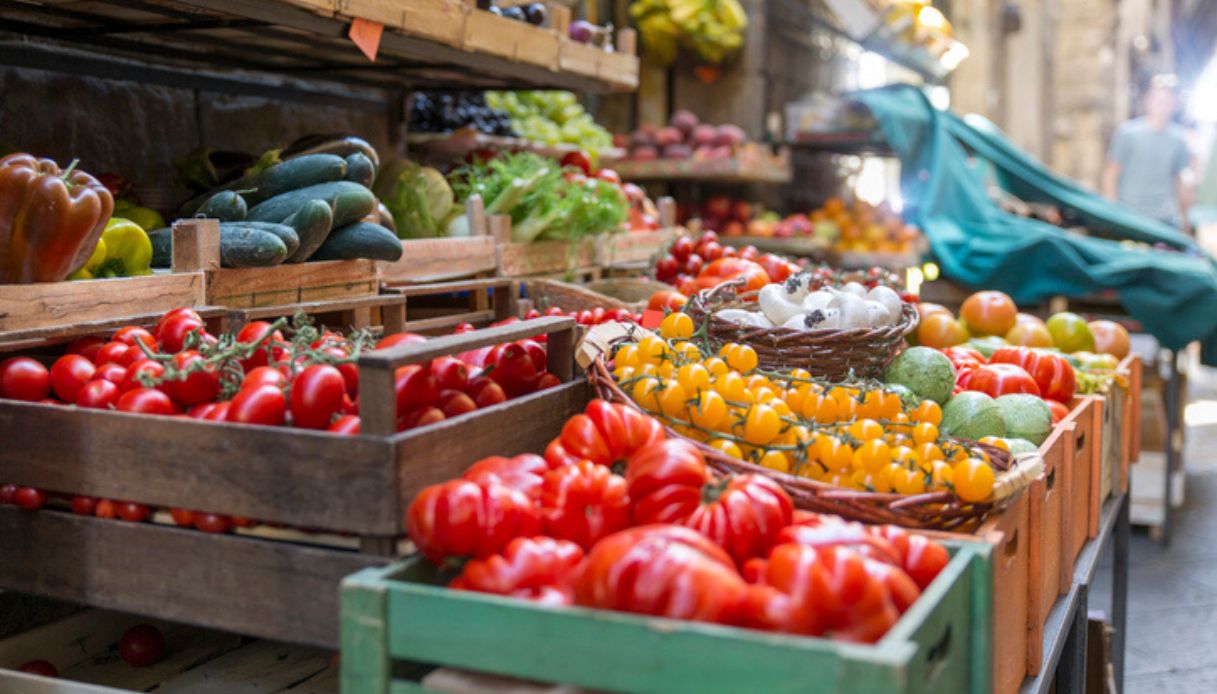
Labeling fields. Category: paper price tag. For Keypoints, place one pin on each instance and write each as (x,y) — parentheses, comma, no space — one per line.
(366,35)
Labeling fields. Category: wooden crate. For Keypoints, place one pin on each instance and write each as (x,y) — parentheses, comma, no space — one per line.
(37,310)
(1009,535)
(397,613)
(430,260)
(1049,571)
(1083,473)
(438,307)
(507,38)
(356,486)
(83,648)
(196,246)
(633,249)
(383,313)
(1131,367)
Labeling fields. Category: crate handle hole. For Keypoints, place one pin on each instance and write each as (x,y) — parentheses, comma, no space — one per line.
(1011,547)
(1050,479)
(1080,441)
(938,656)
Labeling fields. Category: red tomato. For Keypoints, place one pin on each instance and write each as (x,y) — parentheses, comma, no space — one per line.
(921,558)
(578,159)
(146,401)
(98,394)
(727,269)
(420,417)
(531,568)
(400,339)
(69,373)
(83,505)
(176,313)
(665,299)
(1052,373)
(548,380)
(219,413)
(1059,410)
(28,498)
(486,393)
(460,518)
(606,434)
(114,373)
(682,248)
(141,645)
(1001,379)
(131,511)
(513,369)
(666,268)
(450,373)
(7,492)
(22,378)
(988,313)
(132,334)
(264,405)
(112,353)
(173,332)
(317,395)
(694,264)
(832,531)
(147,369)
(40,667)
(454,403)
(711,251)
(264,376)
(609,176)
(182,517)
(620,315)
(202,384)
(86,347)
(212,523)
(266,343)
(524,473)
(583,503)
(662,570)
(415,387)
(670,483)
(105,508)
(346,424)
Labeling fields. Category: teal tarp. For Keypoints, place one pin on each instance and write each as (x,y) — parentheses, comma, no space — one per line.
(1172,294)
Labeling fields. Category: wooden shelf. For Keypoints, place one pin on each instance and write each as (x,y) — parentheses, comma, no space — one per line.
(442,43)
(858,143)
(458,143)
(793,247)
(753,163)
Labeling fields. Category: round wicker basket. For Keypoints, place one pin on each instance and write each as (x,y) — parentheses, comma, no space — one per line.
(831,354)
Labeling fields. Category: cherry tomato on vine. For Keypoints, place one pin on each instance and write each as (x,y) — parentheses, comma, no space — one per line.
(29,499)
(141,645)
(264,405)
(182,517)
(98,394)
(69,373)
(173,333)
(132,334)
(212,522)
(264,376)
(22,378)
(202,384)
(83,505)
(131,511)
(267,343)
(113,373)
(317,395)
(146,401)
(86,347)
(346,424)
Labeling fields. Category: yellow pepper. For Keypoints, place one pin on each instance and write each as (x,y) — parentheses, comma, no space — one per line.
(128,250)
(148,219)
(89,270)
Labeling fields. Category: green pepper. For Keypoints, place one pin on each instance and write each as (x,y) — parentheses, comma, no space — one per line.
(128,250)
(89,270)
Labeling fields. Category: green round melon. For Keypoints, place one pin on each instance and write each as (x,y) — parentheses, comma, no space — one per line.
(972,415)
(1021,446)
(1026,416)
(925,371)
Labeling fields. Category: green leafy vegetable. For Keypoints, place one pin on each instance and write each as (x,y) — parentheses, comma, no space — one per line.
(418,196)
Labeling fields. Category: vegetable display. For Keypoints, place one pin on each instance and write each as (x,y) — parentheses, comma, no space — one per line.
(694,264)
(552,118)
(50,219)
(636,522)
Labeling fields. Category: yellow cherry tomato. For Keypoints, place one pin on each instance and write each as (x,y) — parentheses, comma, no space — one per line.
(800,374)
(973,479)
(676,326)
(645,392)
(742,359)
(871,405)
(731,386)
(907,457)
(996,442)
(927,411)
(672,399)
(647,370)
(941,475)
(822,408)
(627,355)
(890,405)
(929,452)
(623,373)
(717,367)
(872,456)
(780,407)
(710,410)
(652,350)
(838,479)
(865,429)
(795,397)
(761,425)
(925,433)
(775,460)
(836,455)
(906,481)
(763,395)
(694,378)
(729,447)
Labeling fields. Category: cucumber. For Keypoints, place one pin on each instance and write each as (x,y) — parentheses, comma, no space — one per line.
(348,200)
(285,233)
(360,169)
(342,145)
(244,246)
(162,247)
(300,172)
(226,206)
(386,217)
(360,240)
(312,223)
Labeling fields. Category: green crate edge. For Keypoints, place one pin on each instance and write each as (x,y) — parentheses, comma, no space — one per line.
(632,653)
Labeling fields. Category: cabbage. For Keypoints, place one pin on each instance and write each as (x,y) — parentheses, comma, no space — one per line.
(418,196)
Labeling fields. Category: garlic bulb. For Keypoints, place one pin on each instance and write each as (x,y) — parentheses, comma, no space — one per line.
(797,286)
(742,317)
(890,300)
(855,289)
(774,303)
(817,300)
(877,314)
(819,319)
(853,311)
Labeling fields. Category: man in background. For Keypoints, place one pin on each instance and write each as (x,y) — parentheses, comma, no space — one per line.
(1148,162)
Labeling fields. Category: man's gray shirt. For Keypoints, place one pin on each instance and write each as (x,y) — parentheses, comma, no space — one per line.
(1149,161)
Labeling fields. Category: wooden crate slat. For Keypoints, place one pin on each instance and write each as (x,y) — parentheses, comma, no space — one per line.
(438,20)
(262,666)
(541,257)
(290,476)
(292,283)
(507,38)
(50,304)
(274,590)
(437,259)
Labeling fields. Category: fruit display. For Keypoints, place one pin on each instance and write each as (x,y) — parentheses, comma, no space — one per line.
(552,118)
(614,510)
(861,227)
(293,208)
(534,13)
(803,302)
(711,31)
(588,317)
(444,112)
(735,217)
(692,265)
(685,137)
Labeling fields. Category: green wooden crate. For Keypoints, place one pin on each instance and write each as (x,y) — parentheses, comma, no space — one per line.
(397,624)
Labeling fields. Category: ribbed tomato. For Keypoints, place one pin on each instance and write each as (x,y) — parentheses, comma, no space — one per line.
(523,473)
(533,568)
(583,503)
(606,434)
(1000,379)
(460,518)
(1051,372)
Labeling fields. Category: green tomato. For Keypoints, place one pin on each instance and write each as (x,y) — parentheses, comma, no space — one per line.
(1070,333)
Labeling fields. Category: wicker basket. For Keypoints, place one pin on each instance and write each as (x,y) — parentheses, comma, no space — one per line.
(569,297)
(940,510)
(836,355)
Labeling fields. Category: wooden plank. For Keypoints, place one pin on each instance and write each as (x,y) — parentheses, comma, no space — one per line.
(452,287)
(523,425)
(262,666)
(366,665)
(539,257)
(402,355)
(24,339)
(324,682)
(435,259)
(292,283)
(196,245)
(507,38)
(12,682)
(440,323)
(290,476)
(614,250)
(437,20)
(26,307)
(274,590)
